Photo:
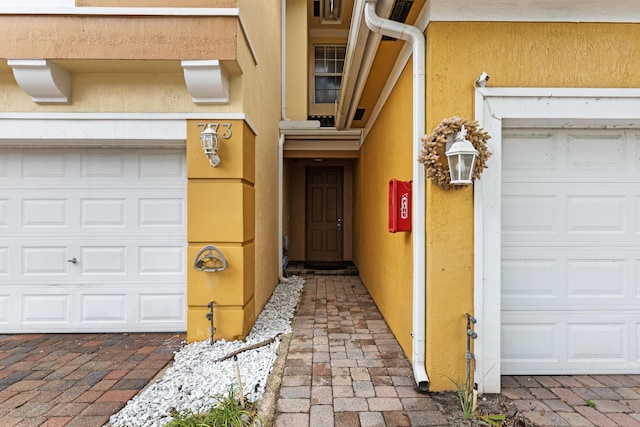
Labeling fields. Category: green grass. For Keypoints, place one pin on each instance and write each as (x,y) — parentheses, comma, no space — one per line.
(228,412)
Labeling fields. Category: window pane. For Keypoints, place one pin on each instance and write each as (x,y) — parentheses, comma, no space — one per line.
(328,66)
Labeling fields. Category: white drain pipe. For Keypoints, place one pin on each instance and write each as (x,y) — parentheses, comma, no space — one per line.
(416,38)
(283,116)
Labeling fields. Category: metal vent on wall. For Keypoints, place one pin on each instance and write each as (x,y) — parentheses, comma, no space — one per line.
(359,114)
(325,121)
(399,13)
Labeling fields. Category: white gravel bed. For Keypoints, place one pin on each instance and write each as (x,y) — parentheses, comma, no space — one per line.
(194,379)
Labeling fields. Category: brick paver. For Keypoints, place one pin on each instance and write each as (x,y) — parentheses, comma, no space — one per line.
(577,401)
(76,379)
(345,368)
(359,375)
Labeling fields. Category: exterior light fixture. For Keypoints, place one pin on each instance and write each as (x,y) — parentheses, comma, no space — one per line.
(331,11)
(210,144)
(462,158)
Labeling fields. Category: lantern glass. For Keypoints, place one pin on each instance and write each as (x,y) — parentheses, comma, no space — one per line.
(461,168)
(462,158)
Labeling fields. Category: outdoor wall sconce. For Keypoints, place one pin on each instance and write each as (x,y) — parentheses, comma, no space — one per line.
(462,158)
(210,143)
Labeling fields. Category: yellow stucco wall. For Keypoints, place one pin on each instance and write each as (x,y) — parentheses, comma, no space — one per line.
(221,212)
(297,54)
(384,259)
(514,55)
(261,102)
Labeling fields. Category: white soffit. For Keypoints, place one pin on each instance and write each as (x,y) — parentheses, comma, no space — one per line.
(44,81)
(206,81)
(535,11)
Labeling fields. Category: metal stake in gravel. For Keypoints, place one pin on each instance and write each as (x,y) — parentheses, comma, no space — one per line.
(235,358)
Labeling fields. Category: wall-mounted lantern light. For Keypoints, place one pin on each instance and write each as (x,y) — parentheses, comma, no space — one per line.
(462,158)
(210,143)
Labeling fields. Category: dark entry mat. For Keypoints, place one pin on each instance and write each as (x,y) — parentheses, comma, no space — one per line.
(325,265)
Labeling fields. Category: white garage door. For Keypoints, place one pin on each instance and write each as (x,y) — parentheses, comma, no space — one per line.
(570,252)
(92,240)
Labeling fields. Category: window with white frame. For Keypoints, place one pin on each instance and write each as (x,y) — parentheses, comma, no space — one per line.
(327,71)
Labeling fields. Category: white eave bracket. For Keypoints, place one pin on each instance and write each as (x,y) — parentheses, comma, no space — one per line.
(207,81)
(44,81)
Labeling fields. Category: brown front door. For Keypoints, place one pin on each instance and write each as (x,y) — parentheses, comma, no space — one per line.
(324,214)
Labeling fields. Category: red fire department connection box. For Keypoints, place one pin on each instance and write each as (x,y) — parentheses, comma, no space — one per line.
(399,205)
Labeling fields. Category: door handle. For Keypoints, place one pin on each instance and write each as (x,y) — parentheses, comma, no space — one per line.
(339,224)
(72,260)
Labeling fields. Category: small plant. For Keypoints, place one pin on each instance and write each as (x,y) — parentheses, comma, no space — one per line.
(494,420)
(590,403)
(468,398)
(226,413)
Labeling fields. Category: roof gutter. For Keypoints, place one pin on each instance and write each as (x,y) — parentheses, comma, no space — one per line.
(416,38)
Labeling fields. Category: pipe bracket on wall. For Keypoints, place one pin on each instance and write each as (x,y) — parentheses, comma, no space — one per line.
(210,259)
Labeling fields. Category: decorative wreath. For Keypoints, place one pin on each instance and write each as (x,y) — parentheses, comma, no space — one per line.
(433,149)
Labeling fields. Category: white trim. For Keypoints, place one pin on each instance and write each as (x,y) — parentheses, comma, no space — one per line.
(498,108)
(98,130)
(537,11)
(140,117)
(121,11)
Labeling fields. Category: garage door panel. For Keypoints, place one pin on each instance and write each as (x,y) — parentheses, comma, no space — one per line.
(44,260)
(596,151)
(103,213)
(163,308)
(46,212)
(597,342)
(45,309)
(597,278)
(596,214)
(162,260)
(162,212)
(44,165)
(534,342)
(570,252)
(588,342)
(527,278)
(4,308)
(109,260)
(121,214)
(103,308)
(530,214)
(159,165)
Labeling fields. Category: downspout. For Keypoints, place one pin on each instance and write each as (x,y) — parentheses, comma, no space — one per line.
(283,116)
(416,38)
